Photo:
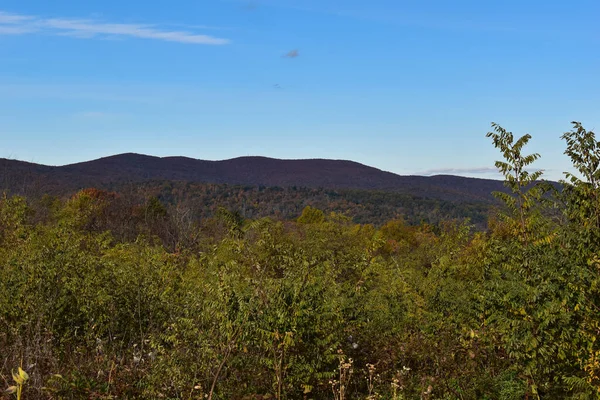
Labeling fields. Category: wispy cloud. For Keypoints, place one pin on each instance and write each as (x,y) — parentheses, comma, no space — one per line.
(468,171)
(15,30)
(461,171)
(6,18)
(16,24)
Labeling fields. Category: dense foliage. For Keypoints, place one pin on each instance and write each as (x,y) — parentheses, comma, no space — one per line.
(105,297)
(203,200)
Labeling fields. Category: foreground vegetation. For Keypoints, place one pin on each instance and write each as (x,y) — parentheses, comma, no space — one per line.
(104,298)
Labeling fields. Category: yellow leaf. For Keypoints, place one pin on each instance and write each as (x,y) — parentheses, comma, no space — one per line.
(17,378)
(11,389)
(23,374)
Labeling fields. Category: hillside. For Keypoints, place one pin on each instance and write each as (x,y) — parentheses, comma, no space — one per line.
(109,172)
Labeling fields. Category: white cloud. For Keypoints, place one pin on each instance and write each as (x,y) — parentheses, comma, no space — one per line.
(15,30)
(16,24)
(6,18)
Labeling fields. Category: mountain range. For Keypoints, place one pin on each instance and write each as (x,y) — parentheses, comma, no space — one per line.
(130,168)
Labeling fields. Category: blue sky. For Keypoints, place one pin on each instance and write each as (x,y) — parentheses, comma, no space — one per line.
(406,86)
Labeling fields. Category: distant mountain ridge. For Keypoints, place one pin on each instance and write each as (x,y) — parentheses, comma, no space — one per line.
(129,168)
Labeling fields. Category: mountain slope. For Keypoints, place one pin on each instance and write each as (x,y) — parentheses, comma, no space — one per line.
(130,168)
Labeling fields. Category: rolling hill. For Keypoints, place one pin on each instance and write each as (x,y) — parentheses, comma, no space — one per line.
(111,172)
